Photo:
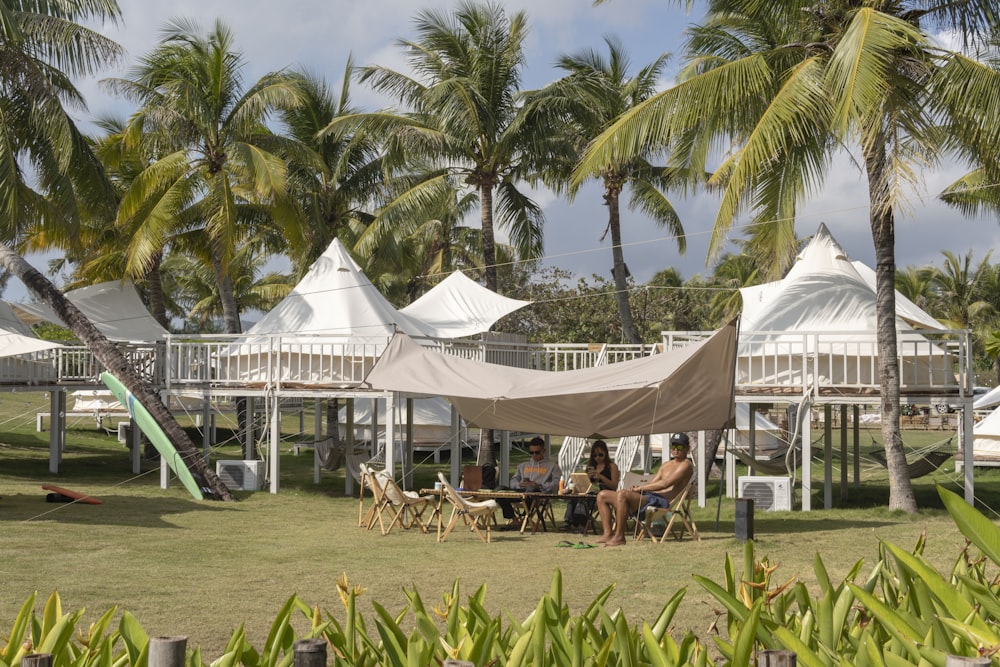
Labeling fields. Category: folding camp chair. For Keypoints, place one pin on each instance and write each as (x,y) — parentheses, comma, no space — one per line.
(680,521)
(477,515)
(372,480)
(406,507)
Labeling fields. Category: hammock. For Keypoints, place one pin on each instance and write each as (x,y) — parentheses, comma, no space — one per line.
(932,459)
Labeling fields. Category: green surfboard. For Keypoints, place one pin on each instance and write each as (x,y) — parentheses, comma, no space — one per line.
(145,421)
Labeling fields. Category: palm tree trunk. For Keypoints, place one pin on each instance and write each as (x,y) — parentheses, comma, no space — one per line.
(486,453)
(109,356)
(154,290)
(884,236)
(227,297)
(489,243)
(611,198)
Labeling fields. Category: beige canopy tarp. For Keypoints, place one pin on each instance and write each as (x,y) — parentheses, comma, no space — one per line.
(686,389)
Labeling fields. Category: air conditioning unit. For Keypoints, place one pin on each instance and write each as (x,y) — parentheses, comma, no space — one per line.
(243,475)
(769,494)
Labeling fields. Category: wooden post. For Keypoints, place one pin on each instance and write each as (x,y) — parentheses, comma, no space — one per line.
(458,663)
(310,652)
(167,651)
(959,661)
(37,660)
(777,658)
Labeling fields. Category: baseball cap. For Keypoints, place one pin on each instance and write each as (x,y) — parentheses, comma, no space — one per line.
(680,439)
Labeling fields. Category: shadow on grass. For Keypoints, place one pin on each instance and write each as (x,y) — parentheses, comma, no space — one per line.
(115,510)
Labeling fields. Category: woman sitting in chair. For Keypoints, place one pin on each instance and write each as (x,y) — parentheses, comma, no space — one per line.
(603,474)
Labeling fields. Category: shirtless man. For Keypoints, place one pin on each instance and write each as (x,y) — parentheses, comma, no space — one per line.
(672,478)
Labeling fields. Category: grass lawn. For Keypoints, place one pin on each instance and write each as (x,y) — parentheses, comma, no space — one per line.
(200,569)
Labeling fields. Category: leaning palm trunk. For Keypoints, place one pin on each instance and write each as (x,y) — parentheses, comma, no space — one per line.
(884,236)
(108,355)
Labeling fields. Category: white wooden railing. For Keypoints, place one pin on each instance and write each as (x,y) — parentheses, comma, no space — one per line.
(935,363)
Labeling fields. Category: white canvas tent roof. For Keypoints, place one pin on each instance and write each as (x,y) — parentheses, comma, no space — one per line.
(335,297)
(906,310)
(459,306)
(114,307)
(686,389)
(824,292)
(16,337)
(986,440)
(988,400)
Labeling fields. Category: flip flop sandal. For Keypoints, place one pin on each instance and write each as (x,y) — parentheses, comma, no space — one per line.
(584,545)
(565,543)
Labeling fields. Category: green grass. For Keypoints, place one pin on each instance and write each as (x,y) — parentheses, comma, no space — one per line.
(202,568)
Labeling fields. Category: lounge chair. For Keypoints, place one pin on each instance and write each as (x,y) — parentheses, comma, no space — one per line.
(680,521)
(477,515)
(405,507)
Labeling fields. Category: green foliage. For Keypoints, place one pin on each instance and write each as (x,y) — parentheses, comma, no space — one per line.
(415,635)
(586,311)
(903,612)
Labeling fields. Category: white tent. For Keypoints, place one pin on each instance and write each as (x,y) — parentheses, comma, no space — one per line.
(335,322)
(767,436)
(988,400)
(824,293)
(986,440)
(114,307)
(16,337)
(684,389)
(458,306)
(335,297)
(18,345)
(431,422)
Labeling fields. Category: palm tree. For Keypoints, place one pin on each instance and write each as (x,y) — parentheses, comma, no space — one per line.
(791,82)
(217,166)
(959,300)
(465,117)
(915,284)
(593,94)
(335,178)
(42,45)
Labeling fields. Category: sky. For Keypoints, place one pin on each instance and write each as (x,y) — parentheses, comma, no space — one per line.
(322,35)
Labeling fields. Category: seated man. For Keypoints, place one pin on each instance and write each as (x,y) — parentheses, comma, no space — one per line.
(538,475)
(670,480)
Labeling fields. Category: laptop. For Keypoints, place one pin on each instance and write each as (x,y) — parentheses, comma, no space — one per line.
(581,482)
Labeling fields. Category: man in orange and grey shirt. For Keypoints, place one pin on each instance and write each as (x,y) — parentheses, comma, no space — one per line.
(538,475)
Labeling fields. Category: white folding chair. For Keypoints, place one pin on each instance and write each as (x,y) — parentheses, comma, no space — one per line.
(478,516)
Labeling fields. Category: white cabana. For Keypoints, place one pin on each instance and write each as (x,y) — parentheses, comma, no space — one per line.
(767,435)
(335,323)
(18,347)
(331,323)
(458,306)
(113,307)
(986,440)
(684,389)
(823,292)
(431,423)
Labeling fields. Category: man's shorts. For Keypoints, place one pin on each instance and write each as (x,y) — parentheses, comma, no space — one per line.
(654,500)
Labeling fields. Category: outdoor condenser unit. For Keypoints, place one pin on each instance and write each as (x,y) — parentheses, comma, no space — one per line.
(243,475)
(769,494)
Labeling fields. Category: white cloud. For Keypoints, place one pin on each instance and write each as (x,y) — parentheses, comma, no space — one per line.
(321,35)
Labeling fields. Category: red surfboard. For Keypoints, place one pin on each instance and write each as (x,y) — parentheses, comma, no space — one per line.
(75,495)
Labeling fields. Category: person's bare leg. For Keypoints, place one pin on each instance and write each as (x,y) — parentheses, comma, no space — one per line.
(623,503)
(604,500)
